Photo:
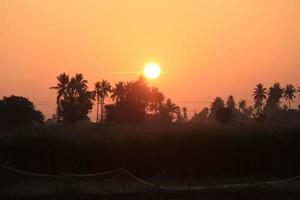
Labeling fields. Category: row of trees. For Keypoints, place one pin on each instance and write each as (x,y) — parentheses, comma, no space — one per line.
(132,101)
(135,102)
(275,94)
(267,105)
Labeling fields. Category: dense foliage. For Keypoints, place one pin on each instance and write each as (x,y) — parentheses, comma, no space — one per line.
(18,111)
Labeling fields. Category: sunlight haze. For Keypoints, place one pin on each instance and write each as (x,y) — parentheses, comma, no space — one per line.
(210,48)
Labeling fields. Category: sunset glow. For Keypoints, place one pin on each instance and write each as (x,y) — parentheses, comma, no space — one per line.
(209,46)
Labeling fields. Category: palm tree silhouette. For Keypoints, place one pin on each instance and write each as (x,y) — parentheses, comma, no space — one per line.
(74,101)
(289,93)
(118,92)
(259,94)
(275,94)
(101,91)
(80,84)
(62,86)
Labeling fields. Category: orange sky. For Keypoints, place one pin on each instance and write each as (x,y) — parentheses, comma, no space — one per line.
(210,48)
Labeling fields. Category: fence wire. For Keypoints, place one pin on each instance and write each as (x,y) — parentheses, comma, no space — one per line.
(112,181)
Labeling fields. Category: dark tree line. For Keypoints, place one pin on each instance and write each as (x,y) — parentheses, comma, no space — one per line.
(133,102)
(267,106)
(136,102)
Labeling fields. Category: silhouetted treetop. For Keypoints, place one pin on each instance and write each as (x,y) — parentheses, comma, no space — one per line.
(16,111)
(289,93)
(74,101)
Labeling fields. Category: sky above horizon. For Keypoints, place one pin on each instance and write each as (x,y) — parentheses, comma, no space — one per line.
(205,48)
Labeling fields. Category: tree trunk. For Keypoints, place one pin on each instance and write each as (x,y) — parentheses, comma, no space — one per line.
(97,120)
(102,110)
(289,104)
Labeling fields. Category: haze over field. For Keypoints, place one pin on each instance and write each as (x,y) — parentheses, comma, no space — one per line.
(204,48)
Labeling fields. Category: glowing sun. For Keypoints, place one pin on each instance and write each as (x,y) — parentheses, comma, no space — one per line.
(152,70)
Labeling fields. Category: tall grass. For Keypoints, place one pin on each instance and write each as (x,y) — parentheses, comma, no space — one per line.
(179,151)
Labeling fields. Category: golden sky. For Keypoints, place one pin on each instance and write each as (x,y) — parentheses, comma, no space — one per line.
(208,47)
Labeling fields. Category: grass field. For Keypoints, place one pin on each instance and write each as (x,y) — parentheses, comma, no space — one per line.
(179,154)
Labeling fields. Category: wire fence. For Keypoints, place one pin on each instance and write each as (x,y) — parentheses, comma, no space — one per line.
(112,181)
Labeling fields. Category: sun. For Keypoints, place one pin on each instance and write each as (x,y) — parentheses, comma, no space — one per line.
(152,70)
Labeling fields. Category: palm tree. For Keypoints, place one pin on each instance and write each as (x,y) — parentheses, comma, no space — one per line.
(118,92)
(80,84)
(289,93)
(242,105)
(102,89)
(275,94)
(259,94)
(62,94)
(62,86)
(74,101)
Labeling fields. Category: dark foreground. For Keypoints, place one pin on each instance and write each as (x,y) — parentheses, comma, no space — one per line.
(253,193)
(117,162)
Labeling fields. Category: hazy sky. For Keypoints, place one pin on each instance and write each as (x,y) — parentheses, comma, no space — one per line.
(209,48)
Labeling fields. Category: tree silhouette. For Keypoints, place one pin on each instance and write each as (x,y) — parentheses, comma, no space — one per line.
(289,93)
(182,117)
(62,86)
(155,100)
(102,89)
(74,101)
(16,111)
(275,94)
(132,100)
(137,99)
(118,92)
(80,84)
(216,105)
(179,117)
(231,103)
(168,110)
(259,95)
(201,117)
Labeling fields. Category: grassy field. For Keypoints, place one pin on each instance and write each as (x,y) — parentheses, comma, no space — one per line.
(178,154)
